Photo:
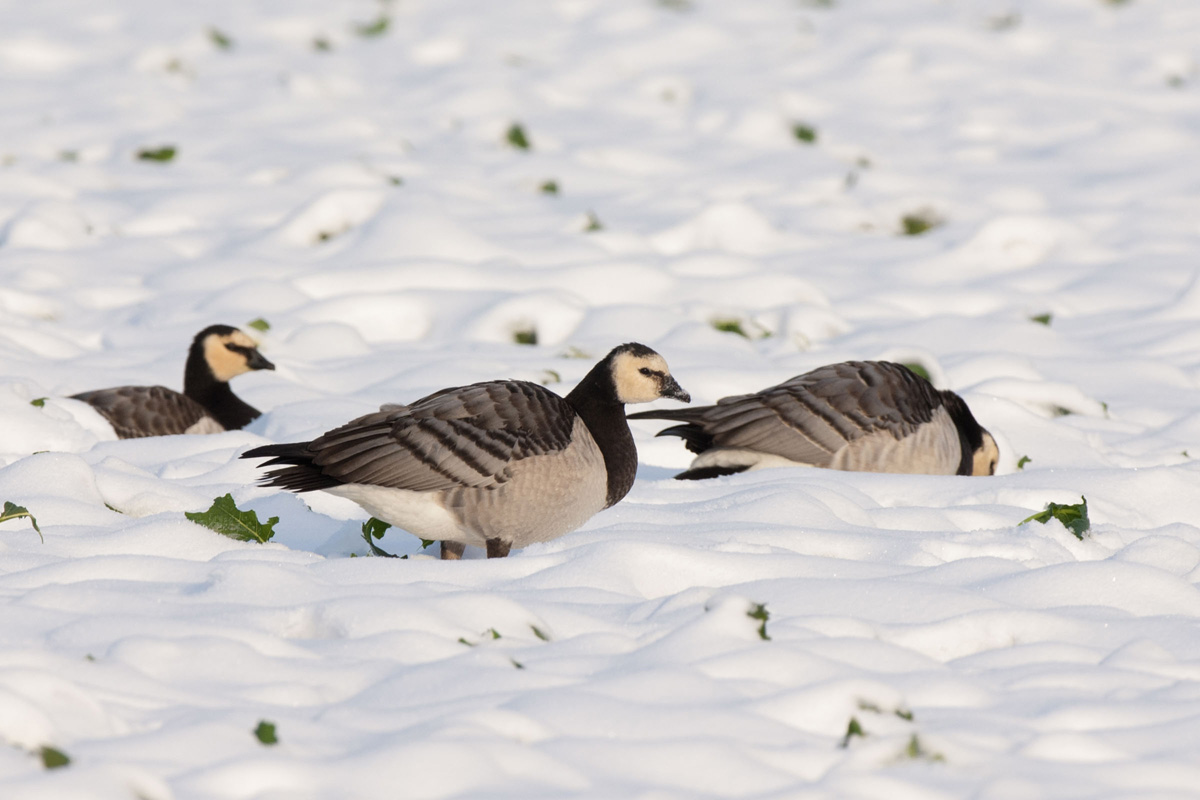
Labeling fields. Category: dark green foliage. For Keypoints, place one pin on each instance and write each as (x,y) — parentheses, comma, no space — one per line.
(538,633)
(593,223)
(730,326)
(374,528)
(38,402)
(852,729)
(52,757)
(527,336)
(516,137)
(370,30)
(259,324)
(265,733)
(549,187)
(919,222)
(759,611)
(1042,319)
(804,133)
(1074,517)
(1022,461)
(219,39)
(160,154)
(227,519)
(14,511)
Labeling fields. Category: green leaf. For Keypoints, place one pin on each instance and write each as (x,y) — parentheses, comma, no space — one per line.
(527,336)
(917,369)
(914,750)
(265,732)
(515,136)
(321,44)
(14,511)
(427,542)
(52,757)
(227,519)
(517,664)
(371,29)
(495,633)
(259,324)
(219,39)
(593,223)
(1042,319)
(160,154)
(1074,517)
(1023,461)
(919,222)
(38,402)
(538,633)
(375,528)
(548,187)
(730,326)
(759,611)
(463,640)
(852,729)
(804,133)
(904,714)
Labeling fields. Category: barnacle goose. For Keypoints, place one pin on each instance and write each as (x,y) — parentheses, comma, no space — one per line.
(207,405)
(869,416)
(499,464)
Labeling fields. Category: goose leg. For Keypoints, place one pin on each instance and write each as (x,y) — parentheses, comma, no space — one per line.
(452,551)
(497,548)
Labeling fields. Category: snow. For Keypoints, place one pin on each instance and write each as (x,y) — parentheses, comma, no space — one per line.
(362,198)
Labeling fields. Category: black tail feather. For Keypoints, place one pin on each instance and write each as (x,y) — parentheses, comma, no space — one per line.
(298,473)
(702,473)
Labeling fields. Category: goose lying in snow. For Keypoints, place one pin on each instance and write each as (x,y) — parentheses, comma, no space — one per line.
(868,416)
(207,405)
(499,464)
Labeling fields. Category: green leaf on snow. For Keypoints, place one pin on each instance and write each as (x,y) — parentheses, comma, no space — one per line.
(227,519)
(265,732)
(759,611)
(53,758)
(14,511)
(1074,517)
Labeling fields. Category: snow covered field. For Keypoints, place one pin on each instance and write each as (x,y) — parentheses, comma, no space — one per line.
(351,174)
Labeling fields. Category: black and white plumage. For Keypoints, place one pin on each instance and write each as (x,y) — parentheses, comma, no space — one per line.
(867,416)
(499,464)
(207,404)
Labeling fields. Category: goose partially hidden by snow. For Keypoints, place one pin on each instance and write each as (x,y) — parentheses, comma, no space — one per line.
(867,416)
(207,404)
(500,464)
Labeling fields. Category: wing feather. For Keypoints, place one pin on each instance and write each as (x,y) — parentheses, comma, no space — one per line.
(137,411)
(460,437)
(810,417)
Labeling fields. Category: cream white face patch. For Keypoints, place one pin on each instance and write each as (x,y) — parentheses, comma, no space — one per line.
(638,379)
(225,363)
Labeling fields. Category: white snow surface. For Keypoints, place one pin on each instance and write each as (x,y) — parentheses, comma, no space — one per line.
(358,192)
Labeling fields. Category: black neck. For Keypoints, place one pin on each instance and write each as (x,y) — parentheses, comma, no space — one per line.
(970,432)
(595,400)
(216,396)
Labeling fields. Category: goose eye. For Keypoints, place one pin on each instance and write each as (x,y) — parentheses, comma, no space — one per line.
(646,371)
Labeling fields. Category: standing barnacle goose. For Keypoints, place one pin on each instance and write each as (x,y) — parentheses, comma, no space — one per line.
(866,416)
(207,405)
(499,464)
